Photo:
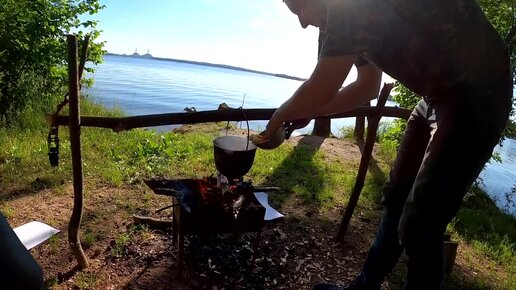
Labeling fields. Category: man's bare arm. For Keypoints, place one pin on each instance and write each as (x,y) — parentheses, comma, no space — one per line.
(355,94)
(318,90)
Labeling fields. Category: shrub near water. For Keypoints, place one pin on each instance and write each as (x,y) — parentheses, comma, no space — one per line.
(111,157)
(33,52)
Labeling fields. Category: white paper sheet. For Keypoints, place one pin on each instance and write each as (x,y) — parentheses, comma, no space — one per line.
(34,233)
(270,213)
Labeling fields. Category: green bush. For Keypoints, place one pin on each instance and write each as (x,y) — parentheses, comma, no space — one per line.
(33,52)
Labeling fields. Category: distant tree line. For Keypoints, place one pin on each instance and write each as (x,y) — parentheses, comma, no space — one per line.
(33,55)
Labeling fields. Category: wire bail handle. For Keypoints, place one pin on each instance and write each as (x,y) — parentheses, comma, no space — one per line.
(241,108)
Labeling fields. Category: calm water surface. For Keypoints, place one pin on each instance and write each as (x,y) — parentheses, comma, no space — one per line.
(147,86)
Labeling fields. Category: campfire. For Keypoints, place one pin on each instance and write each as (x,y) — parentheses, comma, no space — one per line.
(212,205)
(220,203)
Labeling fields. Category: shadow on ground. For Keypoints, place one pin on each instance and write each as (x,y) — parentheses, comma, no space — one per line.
(294,169)
(33,188)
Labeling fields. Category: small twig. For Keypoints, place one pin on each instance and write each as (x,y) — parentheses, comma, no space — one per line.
(153,223)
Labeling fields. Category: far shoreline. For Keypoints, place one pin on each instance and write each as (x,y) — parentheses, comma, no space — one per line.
(210,64)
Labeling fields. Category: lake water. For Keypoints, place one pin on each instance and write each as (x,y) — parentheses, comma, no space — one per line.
(142,86)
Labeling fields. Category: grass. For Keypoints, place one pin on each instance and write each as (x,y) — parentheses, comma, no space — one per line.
(118,249)
(89,238)
(135,233)
(490,231)
(86,280)
(8,212)
(115,159)
(53,242)
(141,232)
(301,170)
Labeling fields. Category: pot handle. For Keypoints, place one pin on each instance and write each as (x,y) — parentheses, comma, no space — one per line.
(241,108)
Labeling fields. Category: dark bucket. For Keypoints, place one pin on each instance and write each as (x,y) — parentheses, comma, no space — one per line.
(234,155)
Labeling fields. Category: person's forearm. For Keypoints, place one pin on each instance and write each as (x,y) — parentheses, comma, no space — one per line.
(320,88)
(304,102)
(348,98)
(356,94)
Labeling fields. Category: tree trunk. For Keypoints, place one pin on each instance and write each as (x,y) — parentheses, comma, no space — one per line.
(360,126)
(322,127)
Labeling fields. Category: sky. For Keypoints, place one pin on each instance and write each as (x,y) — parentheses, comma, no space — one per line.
(256,34)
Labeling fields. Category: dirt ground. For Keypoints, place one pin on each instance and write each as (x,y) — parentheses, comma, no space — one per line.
(293,253)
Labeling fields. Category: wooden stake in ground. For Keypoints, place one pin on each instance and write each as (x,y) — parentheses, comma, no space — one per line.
(75,142)
(372,127)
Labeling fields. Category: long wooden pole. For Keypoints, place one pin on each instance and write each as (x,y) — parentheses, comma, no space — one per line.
(372,127)
(75,142)
(128,123)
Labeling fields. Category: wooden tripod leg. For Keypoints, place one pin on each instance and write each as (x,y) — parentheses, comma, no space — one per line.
(178,237)
(175,208)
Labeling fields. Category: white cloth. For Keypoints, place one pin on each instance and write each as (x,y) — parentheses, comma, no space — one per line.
(270,213)
(34,233)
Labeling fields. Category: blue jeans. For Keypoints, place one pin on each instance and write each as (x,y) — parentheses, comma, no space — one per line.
(18,269)
(444,148)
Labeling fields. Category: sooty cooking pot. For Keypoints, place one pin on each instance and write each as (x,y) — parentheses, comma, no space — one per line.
(234,155)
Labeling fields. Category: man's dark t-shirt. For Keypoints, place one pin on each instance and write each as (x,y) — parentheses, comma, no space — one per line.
(431,46)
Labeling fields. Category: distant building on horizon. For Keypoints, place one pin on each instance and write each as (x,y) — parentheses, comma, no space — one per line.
(147,55)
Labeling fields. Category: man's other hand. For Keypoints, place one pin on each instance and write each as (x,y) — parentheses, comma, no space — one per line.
(290,127)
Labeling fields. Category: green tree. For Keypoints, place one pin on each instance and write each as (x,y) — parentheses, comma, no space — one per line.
(33,51)
(502,15)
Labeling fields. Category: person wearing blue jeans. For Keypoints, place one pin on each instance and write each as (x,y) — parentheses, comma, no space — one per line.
(444,50)
(18,269)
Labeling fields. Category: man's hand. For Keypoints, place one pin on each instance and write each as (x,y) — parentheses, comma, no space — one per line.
(296,124)
(257,139)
